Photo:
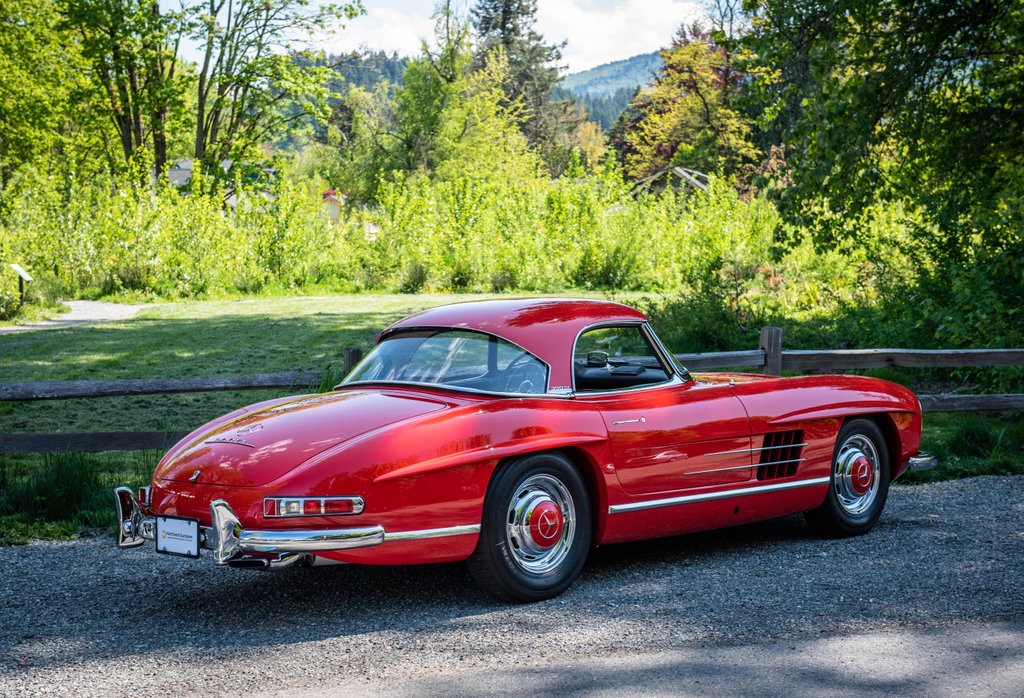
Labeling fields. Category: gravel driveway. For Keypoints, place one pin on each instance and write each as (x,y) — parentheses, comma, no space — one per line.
(940,577)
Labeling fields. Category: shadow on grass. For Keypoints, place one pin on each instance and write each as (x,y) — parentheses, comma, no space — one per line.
(173,348)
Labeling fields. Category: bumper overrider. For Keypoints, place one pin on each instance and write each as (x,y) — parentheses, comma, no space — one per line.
(233,545)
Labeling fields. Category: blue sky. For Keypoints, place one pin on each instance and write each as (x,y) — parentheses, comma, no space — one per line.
(597,31)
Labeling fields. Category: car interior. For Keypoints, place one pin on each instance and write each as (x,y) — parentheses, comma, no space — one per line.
(615,358)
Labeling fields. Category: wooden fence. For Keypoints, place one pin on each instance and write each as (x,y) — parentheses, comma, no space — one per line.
(770,358)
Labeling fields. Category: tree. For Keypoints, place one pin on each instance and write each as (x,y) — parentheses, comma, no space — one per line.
(533,64)
(248,84)
(37,69)
(919,101)
(448,119)
(132,52)
(914,103)
(687,116)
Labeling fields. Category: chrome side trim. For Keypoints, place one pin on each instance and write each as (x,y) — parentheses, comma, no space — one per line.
(748,465)
(431,533)
(709,496)
(755,450)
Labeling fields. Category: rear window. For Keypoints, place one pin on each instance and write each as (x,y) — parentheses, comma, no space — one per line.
(453,358)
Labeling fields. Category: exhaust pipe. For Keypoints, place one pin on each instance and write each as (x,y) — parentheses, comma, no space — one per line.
(280,562)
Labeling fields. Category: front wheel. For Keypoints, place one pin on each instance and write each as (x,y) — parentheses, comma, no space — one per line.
(536,529)
(859,483)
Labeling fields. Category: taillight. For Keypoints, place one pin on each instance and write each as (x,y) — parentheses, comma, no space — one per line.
(283,507)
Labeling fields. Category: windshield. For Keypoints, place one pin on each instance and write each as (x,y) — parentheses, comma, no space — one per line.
(453,358)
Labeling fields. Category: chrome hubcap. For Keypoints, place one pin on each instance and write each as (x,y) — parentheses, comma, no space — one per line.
(540,524)
(856,474)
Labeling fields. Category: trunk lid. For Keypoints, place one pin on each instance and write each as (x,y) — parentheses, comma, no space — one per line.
(260,447)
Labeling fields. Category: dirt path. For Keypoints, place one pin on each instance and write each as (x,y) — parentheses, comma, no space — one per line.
(82,313)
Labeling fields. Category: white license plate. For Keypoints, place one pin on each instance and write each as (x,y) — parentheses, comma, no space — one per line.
(176,536)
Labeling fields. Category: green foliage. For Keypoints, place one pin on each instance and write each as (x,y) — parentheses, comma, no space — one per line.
(46,103)
(54,496)
(915,105)
(972,444)
(533,70)
(687,117)
(114,236)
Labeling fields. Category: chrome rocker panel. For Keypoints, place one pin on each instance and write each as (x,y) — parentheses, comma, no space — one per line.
(233,545)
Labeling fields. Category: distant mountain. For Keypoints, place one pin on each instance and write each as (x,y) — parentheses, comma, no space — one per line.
(368,68)
(611,77)
(605,91)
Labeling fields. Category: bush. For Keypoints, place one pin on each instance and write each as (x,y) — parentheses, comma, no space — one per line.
(57,490)
(9,304)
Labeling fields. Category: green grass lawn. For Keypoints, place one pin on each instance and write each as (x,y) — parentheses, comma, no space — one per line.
(58,495)
(180,340)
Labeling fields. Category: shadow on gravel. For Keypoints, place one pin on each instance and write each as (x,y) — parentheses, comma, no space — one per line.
(925,564)
(192,605)
(976,657)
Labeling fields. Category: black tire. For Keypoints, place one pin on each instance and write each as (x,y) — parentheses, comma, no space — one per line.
(536,529)
(859,482)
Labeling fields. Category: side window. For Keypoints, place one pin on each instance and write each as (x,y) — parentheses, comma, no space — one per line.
(615,358)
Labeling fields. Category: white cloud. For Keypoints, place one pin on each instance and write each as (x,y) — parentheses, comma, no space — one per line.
(599,32)
(388,29)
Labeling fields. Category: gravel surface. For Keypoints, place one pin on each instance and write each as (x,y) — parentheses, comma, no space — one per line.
(946,559)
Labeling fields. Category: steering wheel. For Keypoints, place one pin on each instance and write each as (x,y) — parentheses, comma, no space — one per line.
(524,376)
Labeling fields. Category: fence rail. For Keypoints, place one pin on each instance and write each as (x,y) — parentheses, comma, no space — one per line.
(769,358)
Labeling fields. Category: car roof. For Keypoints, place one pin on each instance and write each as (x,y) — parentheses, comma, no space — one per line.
(545,327)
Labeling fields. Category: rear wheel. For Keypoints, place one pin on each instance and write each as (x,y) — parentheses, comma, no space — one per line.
(536,529)
(859,483)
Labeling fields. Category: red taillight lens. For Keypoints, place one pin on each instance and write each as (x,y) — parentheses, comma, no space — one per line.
(339,506)
(282,507)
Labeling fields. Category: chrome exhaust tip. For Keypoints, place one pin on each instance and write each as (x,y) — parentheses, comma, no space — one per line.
(278,562)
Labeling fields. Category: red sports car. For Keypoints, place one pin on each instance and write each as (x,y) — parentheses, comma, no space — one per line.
(517,434)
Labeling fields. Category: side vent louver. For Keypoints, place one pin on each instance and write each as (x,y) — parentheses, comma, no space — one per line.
(780,455)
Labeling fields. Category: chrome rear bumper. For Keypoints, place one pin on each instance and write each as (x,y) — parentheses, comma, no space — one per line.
(233,545)
(922,461)
(230,542)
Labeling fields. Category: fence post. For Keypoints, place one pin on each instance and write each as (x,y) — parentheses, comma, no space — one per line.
(352,356)
(771,345)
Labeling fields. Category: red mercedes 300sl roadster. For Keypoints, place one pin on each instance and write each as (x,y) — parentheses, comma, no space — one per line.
(517,434)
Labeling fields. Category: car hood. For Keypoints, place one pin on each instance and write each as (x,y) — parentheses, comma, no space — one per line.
(261,446)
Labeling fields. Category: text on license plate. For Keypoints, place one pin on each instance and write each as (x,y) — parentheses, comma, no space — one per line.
(176,536)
